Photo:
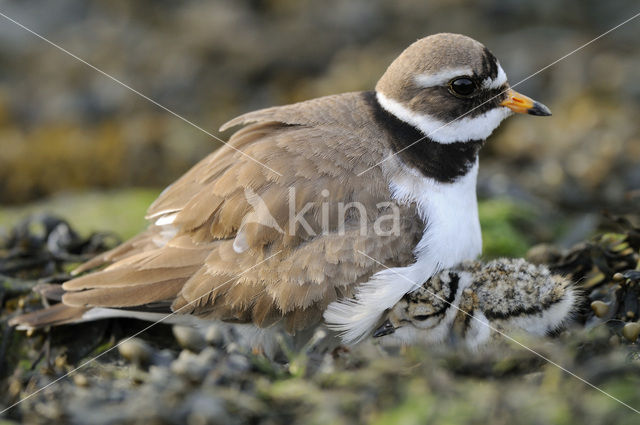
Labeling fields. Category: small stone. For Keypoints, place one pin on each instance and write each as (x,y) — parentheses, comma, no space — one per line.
(233,348)
(135,350)
(214,336)
(600,308)
(60,361)
(15,387)
(618,277)
(543,254)
(203,409)
(163,357)
(631,331)
(238,363)
(631,314)
(189,338)
(191,366)
(160,375)
(80,380)
(614,341)
(208,355)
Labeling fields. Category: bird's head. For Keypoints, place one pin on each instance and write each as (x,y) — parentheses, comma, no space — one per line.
(452,89)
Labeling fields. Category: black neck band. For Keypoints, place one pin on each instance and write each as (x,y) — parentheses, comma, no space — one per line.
(442,162)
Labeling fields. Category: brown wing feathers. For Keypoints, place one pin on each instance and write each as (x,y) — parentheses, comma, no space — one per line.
(198,265)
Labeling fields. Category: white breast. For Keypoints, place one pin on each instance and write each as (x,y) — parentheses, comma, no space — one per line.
(451,235)
(450,213)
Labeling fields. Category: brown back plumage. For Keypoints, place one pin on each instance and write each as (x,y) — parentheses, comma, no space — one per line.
(279,277)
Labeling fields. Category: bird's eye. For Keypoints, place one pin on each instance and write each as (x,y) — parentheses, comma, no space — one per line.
(422,317)
(462,86)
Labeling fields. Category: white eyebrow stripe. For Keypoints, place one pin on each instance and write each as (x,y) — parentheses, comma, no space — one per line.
(442,77)
(498,82)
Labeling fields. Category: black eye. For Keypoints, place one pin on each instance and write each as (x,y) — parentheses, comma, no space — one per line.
(462,86)
(422,317)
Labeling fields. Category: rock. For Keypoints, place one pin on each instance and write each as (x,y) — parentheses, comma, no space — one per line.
(618,277)
(631,331)
(214,336)
(233,348)
(189,338)
(60,361)
(80,380)
(135,350)
(238,363)
(202,409)
(600,308)
(194,367)
(543,254)
(209,355)
(163,357)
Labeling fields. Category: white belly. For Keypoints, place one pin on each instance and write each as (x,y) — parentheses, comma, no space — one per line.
(451,235)
(450,213)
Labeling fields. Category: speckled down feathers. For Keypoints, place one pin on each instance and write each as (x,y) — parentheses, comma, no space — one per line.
(500,296)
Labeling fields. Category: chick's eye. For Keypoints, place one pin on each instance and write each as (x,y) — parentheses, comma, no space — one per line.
(462,86)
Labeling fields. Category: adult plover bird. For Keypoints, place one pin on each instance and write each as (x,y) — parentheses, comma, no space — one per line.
(295,217)
(471,303)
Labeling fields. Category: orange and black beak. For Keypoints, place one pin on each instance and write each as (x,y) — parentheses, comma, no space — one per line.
(521,104)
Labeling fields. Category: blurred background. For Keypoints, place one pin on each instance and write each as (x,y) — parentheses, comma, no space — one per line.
(75,142)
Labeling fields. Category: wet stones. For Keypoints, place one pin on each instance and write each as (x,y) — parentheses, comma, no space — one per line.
(190,338)
(600,308)
(631,331)
(135,351)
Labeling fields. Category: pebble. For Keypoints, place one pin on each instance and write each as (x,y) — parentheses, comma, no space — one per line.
(189,338)
(614,341)
(163,357)
(135,350)
(159,376)
(233,348)
(203,409)
(214,336)
(238,363)
(209,355)
(60,361)
(600,308)
(194,367)
(618,277)
(631,331)
(80,380)
(543,254)
(14,387)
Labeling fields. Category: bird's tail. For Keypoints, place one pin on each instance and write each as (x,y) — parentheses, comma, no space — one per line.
(58,314)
